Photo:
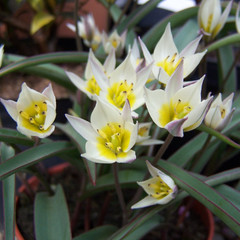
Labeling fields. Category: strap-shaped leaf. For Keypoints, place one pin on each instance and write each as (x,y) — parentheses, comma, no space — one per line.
(219,205)
(51,216)
(32,156)
(99,233)
(12,136)
(178,19)
(8,195)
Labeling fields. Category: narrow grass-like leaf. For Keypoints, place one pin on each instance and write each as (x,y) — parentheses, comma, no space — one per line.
(227,79)
(12,136)
(232,39)
(177,19)
(51,216)
(186,34)
(220,206)
(136,16)
(79,141)
(230,193)
(32,156)
(114,10)
(99,233)
(8,195)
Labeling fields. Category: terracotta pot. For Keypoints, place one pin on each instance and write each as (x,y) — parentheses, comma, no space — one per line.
(200,210)
(34,182)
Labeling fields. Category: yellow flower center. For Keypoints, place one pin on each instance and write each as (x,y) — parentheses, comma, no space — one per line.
(169,64)
(174,111)
(114,43)
(119,92)
(33,117)
(113,141)
(159,188)
(143,131)
(223,112)
(92,86)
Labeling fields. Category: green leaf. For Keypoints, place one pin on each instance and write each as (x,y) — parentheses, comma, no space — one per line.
(114,10)
(227,82)
(79,141)
(177,19)
(99,233)
(40,19)
(229,40)
(217,204)
(32,156)
(136,16)
(14,137)
(230,193)
(186,34)
(51,216)
(8,195)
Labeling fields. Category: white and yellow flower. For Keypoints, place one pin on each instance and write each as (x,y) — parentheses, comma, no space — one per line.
(177,108)
(88,31)
(237,19)
(114,41)
(136,60)
(1,54)
(110,135)
(210,19)
(161,189)
(143,137)
(90,86)
(122,84)
(220,112)
(166,57)
(34,112)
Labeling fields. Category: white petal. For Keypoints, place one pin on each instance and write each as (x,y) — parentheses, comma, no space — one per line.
(237,19)
(147,55)
(191,48)
(154,101)
(83,127)
(146,202)
(104,113)
(191,62)
(110,62)
(143,76)
(30,133)
(126,112)
(50,115)
(149,142)
(48,92)
(225,121)
(11,107)
(175,83)
(1,54)
(165,46)
(176,127)
(130,157)
(124,71)
(133,129)
(71,26)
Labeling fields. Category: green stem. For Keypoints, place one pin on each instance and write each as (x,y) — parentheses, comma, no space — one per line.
(78,40)
(119,193)
(163,148)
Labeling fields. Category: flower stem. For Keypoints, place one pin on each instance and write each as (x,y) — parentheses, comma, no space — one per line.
(119,193)
(163,148)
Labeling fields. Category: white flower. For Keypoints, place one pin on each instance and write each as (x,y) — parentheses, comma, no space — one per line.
(143,137)
(237,20)
(34,112)
(88,31)
(122,84)
(177,108)
(166,56)
(110,135)
(1,54)
(114,41)
(220,112)
(89,86)
(161,189)
(210,19)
